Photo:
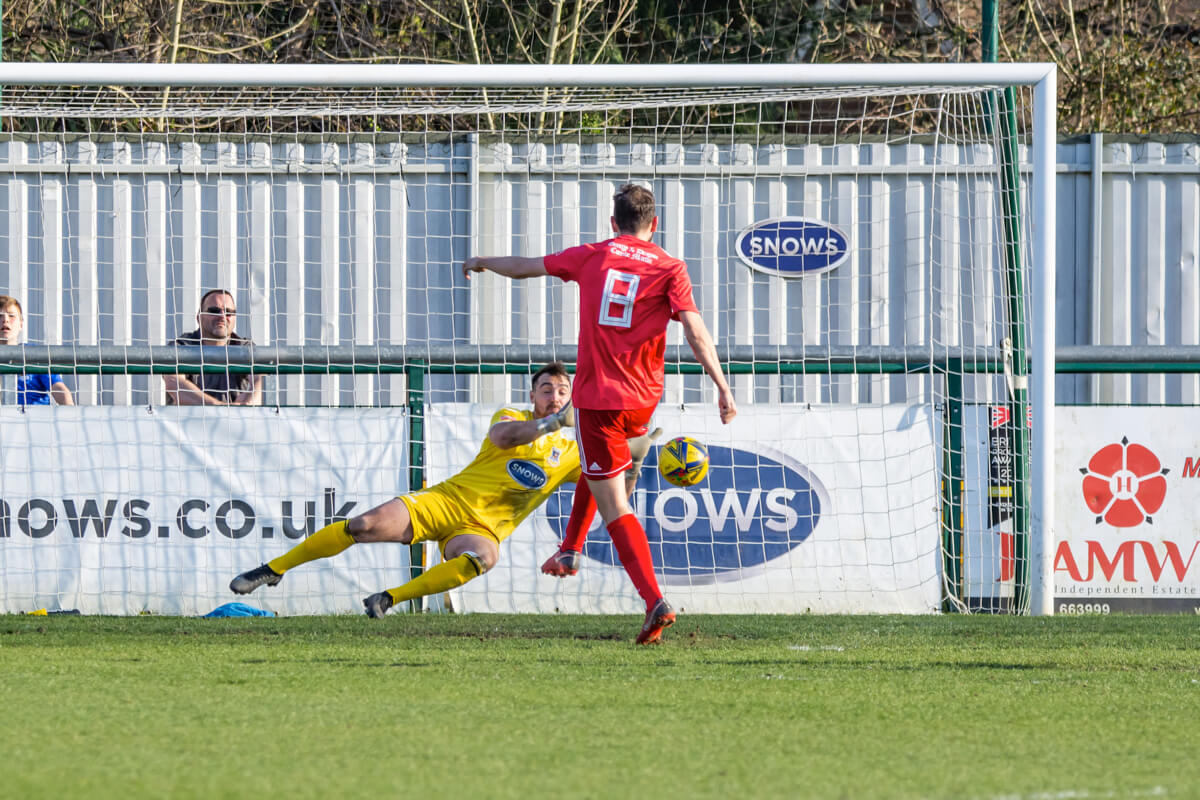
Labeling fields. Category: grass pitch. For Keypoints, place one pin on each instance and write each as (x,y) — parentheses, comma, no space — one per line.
(540,706)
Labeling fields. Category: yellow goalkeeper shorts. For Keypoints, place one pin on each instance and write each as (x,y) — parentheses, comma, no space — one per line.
(438,517)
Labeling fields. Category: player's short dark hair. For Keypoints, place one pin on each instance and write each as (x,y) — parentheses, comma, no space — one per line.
(6,301)
(556,369)
(211,292)
(633,208)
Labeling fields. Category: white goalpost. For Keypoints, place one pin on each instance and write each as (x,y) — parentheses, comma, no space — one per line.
(872,246)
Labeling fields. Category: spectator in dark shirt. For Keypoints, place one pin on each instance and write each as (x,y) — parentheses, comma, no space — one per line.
(31,390)
(216,319)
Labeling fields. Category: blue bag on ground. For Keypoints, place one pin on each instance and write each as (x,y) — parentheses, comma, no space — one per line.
(238,610)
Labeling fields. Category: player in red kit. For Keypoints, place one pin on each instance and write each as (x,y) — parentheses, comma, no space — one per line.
(629,289)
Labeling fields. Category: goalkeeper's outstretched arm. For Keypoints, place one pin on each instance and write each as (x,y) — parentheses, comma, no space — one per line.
(514,433)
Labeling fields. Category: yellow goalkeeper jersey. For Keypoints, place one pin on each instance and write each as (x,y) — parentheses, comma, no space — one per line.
(502,487)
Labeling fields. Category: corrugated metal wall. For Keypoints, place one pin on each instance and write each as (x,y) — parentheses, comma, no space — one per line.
(1129,259)
(353,242)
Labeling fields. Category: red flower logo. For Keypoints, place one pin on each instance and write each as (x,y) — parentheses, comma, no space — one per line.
(1123,484)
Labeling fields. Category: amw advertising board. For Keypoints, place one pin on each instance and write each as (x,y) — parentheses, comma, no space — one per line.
(1127,493)
(1127,487)
(804,509)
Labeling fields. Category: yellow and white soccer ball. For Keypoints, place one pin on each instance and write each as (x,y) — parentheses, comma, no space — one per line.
(683,461)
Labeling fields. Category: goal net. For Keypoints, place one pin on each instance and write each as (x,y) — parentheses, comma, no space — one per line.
(871,246)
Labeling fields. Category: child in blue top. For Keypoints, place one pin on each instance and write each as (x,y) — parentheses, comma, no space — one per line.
(32,390)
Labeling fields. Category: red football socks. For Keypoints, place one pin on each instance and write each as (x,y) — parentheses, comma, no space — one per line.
(629,537)
(583,511)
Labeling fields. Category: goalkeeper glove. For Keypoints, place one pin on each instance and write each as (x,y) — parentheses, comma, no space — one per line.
(564,418)
(639,446)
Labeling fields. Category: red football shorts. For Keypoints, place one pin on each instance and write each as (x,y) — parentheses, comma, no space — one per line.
(603,438)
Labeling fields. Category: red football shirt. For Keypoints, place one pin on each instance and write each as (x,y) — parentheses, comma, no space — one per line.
(628,291)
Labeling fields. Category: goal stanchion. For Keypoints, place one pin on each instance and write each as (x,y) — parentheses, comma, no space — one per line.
(852,234)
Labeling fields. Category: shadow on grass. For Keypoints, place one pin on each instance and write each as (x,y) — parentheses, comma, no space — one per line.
(345,662)
(920,666)
(875,664)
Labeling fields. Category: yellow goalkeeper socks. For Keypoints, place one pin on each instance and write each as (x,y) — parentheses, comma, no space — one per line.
(446,575)
(329,541)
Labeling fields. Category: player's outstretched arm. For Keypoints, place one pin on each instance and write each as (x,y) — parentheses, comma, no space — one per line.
(514,433)
(511,266)
(701,343)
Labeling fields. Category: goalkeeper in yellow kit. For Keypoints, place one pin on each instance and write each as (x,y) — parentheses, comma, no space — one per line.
(525,457)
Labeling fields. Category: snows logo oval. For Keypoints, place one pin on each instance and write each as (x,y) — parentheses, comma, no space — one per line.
(526,473)
(753,507)
(792,246)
